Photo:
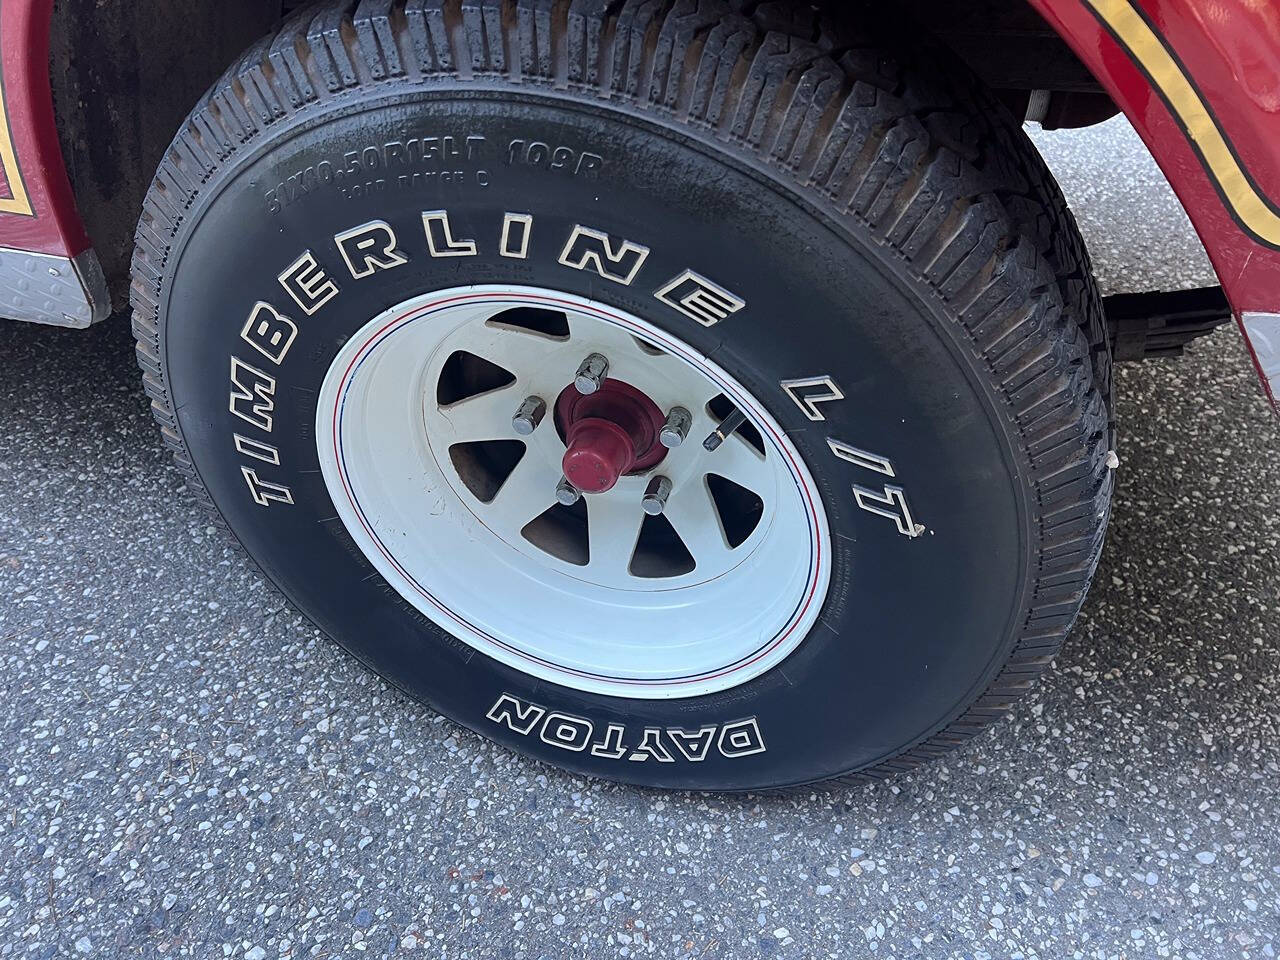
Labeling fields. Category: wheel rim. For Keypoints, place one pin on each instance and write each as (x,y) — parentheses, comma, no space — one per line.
(459,511)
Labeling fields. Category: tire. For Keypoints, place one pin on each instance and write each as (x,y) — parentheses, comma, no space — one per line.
(850,236)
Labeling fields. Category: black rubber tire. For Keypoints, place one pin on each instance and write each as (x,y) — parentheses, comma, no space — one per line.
(884,218)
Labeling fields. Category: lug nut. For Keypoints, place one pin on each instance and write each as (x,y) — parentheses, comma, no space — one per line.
(676,428)
(528,415)
(591,373)
(567,493)
(655,496)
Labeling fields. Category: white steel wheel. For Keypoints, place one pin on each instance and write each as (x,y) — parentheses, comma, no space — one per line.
(445,430)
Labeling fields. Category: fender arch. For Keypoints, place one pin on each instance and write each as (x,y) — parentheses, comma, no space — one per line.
(1201,86)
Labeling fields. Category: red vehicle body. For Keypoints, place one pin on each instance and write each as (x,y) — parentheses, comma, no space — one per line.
(1198,79)
(58,279)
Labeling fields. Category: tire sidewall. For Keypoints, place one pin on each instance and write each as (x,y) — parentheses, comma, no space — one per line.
(912,628)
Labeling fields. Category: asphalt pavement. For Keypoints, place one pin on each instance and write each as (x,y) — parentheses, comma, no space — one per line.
(188,769)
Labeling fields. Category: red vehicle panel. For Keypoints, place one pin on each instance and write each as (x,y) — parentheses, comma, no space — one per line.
(37,209)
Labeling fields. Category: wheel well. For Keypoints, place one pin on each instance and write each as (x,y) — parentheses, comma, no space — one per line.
(125,75)
(1008,45)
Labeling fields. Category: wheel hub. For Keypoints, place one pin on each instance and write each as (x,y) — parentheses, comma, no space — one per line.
(608,434)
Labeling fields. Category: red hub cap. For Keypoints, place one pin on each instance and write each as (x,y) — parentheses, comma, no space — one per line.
(608,434)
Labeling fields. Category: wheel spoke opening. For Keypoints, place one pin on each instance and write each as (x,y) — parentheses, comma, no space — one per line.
(465,375)
(659,551)
(546,323)
(562,532)
(484,465)
(740,510)
(647,347)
